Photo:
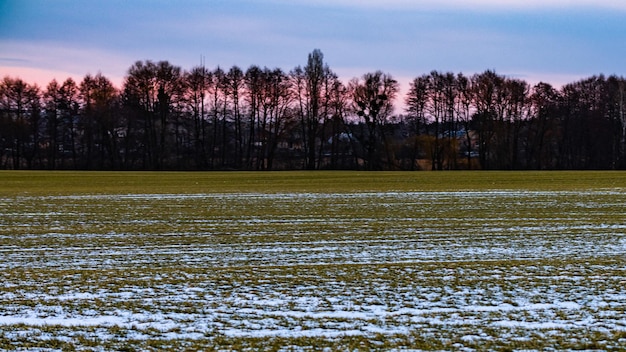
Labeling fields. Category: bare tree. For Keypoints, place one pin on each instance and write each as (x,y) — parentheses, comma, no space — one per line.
(488,93)
(517,111)
(416,101)
(464,114)
(100,121)
(53,106)
(340,138)
(254,87)
(21,129)
(308,85)
(236,90)
(616,91)
(372,101)
(278,112)
(156,90)
(543,135)
(61,104)
(197,83)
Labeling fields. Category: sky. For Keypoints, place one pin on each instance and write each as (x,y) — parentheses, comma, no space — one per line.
(555,41)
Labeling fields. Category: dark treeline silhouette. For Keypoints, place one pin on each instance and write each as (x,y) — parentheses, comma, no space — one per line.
(166,118)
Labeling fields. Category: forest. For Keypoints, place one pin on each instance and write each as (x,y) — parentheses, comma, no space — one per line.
(167,118)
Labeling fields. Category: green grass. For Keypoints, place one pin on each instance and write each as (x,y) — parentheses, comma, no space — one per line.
(343,260)
(71,182)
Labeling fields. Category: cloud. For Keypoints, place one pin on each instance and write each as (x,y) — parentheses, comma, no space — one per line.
(468,4)
(402,37)
(13,60)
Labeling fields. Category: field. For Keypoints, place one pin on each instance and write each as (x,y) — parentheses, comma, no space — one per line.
(312,261)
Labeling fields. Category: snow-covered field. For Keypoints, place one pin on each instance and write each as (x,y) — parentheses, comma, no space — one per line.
(420,270)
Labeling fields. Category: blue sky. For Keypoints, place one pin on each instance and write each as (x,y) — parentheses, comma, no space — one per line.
(557,41)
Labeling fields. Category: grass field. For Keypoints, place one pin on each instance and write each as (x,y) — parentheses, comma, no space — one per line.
(312,261)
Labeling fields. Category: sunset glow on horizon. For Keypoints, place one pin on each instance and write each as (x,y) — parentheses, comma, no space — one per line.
(554,41)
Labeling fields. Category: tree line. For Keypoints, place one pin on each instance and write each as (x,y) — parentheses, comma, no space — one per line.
(167,118)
